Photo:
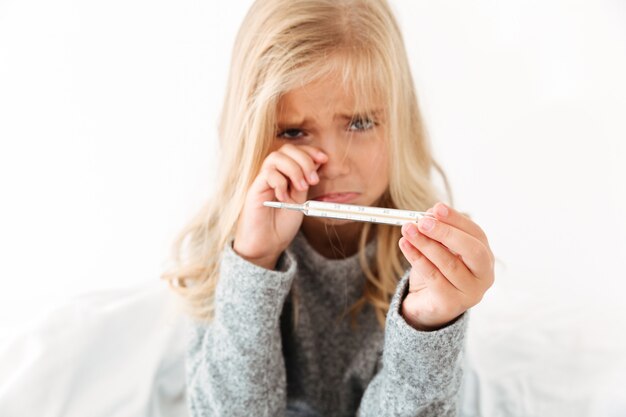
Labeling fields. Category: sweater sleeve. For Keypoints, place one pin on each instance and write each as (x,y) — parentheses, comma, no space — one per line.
(235,365)
(420,374)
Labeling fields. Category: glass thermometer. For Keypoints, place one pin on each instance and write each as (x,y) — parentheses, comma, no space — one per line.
(390,216)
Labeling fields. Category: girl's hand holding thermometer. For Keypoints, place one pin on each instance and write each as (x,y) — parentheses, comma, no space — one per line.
(452,267)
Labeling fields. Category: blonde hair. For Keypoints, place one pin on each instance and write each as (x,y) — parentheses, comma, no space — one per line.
(281,45)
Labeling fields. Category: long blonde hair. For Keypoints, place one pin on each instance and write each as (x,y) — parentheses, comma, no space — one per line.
(281,45)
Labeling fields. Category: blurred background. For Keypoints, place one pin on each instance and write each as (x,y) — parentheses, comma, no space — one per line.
(108,121)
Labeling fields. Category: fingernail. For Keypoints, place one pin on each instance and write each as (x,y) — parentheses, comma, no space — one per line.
(321,155)
(426,224)
(304,184)
(314,176)
(442,210)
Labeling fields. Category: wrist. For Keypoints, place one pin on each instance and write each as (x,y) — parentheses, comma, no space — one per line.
(264,261)
(422,326)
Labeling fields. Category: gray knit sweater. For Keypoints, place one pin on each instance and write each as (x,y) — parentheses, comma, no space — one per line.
(251,362)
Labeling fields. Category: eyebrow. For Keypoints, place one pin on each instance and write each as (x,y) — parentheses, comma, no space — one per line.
(298,121)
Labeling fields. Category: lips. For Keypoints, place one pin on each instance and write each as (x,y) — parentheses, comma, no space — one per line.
(337,197)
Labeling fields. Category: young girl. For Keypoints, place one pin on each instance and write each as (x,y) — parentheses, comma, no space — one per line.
(320,105)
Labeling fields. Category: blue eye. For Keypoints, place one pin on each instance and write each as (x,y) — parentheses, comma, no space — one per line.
(362,124)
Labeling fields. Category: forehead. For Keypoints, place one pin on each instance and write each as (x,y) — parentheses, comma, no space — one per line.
(324,93)
(325,96)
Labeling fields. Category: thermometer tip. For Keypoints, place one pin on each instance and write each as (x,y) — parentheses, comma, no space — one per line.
(274,204)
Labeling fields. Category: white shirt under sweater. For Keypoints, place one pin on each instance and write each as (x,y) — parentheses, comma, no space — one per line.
(250,361)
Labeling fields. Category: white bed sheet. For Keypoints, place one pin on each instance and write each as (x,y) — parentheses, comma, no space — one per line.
(541,352)
(113,353)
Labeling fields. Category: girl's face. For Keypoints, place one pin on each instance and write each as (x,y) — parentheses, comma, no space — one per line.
(319,114)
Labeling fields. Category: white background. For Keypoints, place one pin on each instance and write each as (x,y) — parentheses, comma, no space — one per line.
(108,118)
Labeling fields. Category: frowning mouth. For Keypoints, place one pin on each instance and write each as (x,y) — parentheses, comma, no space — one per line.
(337,197)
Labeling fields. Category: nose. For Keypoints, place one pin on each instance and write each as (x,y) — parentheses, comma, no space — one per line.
(339,162)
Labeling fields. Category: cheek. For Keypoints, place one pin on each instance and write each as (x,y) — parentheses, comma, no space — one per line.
(375,160)
(373,166)
(370,151)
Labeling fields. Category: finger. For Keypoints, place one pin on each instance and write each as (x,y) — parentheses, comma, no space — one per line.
(450,265)
(306,161)
(472,251)
(429,274)
(279,183)
(316,154)
(411,253)
(447,214)
(288,167)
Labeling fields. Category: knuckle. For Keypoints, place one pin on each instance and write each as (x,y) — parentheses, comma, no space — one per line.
(309,166)
(263,173)
(451,265)
(271,157)
(444,231)
(270,178)
(265,166)
(310,150)
(296,178)
(414,256)
(304,162)
(280,181)
(476,252)
(479,252)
